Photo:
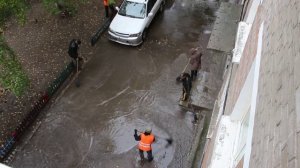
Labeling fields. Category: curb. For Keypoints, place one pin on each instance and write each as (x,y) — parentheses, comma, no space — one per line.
(100,31)
(192,157)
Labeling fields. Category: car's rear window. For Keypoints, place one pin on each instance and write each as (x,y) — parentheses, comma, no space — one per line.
(133,9)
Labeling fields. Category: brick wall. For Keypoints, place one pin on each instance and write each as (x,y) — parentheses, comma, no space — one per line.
(240,73)
(276,134)
(276,140)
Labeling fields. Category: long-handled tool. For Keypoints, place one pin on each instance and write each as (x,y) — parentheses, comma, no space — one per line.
(77,82)
(184,69)
(169,140)
(186,65)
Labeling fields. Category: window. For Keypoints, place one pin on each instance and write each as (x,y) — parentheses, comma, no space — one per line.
(244,131)
(242,139)
(252,12)
(133,9)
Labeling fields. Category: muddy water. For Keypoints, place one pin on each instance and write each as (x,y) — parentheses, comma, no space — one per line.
(123,88)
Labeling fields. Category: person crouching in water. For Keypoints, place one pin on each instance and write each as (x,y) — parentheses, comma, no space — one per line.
(146,139)
(186,80)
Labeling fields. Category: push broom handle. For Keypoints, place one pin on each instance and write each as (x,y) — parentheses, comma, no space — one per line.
(186,65)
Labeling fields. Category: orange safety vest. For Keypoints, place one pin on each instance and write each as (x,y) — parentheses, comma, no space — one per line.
(145,142)
(105,2)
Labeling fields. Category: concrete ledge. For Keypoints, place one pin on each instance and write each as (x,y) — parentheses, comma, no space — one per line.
(225,27)
(204,90)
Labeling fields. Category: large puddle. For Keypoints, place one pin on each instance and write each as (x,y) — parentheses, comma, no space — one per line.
(123,88)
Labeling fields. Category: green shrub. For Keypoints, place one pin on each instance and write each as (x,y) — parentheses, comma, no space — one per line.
(12,8)
(58,6)
(12,76)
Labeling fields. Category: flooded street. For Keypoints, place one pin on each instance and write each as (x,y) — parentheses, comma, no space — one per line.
(123,88)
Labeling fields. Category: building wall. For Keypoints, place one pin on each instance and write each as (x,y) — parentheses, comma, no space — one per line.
(240,73)
(276,132)
(276,139)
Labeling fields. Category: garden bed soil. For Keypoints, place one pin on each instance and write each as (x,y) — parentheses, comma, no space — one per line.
(41,47)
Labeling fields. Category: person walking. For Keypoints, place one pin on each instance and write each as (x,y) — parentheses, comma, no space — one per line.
(73,50)
(146,139)
(112,5)
(186,80)
(195,62)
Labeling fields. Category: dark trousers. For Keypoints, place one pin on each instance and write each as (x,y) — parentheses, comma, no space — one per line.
(186,88)
(106,11)
(149,155)
(194,74)
(112,10)
(185,94)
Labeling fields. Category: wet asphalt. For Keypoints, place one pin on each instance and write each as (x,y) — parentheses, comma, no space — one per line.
(123,88)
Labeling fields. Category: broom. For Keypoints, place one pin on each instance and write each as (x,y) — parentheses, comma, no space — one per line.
(77,82)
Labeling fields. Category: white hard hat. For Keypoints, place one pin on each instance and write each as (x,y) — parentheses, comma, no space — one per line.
(148,130)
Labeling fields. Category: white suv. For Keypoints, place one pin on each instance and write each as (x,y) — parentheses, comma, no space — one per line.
(130,24)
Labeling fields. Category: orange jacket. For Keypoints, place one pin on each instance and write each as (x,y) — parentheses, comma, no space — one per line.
(145,142)
(105,2)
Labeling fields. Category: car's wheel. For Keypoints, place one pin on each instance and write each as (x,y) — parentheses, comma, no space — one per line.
(144,35)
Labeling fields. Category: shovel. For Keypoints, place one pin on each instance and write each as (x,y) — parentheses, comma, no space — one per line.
(77,82)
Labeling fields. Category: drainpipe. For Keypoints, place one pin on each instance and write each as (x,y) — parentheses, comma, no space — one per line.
(245,6)
(205,149)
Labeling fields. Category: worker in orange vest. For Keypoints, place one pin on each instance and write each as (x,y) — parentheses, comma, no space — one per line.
(146,139)
(105,2)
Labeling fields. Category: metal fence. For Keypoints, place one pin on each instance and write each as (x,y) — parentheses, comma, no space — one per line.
(32,115)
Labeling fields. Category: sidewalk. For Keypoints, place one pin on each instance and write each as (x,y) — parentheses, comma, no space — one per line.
(215,62)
